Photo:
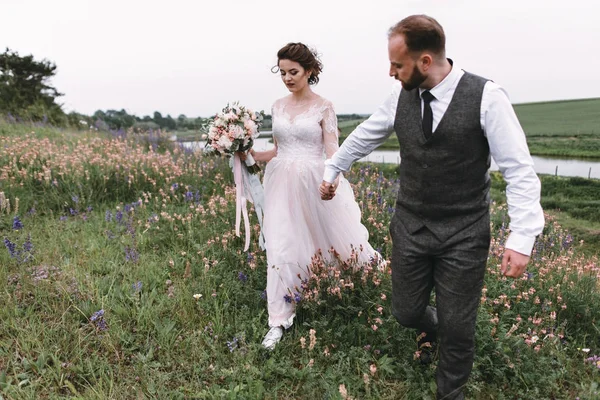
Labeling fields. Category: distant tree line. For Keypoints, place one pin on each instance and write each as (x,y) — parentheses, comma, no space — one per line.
(27,95)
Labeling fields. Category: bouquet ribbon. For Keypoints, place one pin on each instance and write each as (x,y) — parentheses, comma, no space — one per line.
(247,188)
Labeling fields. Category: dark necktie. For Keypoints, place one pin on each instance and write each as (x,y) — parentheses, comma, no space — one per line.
(427,113)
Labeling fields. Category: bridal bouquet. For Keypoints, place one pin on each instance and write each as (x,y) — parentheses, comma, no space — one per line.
(231,133)
(234,130)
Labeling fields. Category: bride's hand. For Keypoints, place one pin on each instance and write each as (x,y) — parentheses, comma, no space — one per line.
(242,155)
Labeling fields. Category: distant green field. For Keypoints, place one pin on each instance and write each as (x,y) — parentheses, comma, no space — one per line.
(560,118)
(569,128)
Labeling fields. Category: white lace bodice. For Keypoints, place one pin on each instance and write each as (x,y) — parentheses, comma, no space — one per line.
(309,133)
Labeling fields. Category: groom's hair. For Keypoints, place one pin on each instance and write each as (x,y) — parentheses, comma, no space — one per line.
(307,58)
(421,33)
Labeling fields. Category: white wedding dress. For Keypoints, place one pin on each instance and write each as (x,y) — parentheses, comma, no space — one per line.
(297,223)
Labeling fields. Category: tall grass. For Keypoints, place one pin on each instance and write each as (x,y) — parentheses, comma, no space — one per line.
(122,278)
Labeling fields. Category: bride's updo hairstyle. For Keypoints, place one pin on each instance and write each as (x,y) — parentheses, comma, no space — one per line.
(307,58)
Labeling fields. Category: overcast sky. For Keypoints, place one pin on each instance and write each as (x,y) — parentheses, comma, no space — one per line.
(192,57)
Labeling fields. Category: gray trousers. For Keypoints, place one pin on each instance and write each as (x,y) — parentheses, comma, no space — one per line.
(455,268)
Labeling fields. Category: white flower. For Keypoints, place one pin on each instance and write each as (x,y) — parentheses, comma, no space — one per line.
(236,132)
(250,127)
(534,339)
(585,350)
(224,142)
(197,296)
(220,121)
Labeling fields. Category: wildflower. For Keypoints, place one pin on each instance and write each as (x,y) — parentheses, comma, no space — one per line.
(17,224)
(11,248)
(534,339)
(108,216)
(313,339)
(137,287)
(242,277)
(263,295)
(343,391)
(373,369)
(75,199)
(73,212)
(303,342)
(97,319)
(287,298)
(131,254)
(97,315)
(197,296)
(233,344)
(119,216)
(297,297)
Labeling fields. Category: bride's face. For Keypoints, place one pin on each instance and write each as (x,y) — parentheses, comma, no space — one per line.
(293,75)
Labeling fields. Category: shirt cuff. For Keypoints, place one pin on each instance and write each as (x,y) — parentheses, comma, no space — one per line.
(330,174)
(520,243)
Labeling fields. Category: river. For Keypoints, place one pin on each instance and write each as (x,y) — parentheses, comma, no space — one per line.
(543,165)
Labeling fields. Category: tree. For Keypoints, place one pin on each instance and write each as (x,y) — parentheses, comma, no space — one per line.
(25,90)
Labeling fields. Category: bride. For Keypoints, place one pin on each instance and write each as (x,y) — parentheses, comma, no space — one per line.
(297,223)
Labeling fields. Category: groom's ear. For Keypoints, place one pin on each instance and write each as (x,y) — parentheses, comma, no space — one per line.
(426,61)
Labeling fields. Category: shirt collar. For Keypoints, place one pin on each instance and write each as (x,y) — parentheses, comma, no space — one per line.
(450,81)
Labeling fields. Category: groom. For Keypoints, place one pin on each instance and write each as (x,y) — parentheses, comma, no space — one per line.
(448,123)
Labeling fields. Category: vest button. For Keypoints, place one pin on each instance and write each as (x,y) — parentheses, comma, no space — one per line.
(425,166)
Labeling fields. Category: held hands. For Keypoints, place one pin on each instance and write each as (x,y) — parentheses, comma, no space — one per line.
(327,190)
(513,263)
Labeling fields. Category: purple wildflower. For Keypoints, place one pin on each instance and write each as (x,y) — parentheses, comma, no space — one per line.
(131,254)
(287,298)
(63,218)
(108,216)
(97,315)
(137,287)
(17,224)
(119,216)
(297,297)
(233,344)
(242,277)
(11,248)
(73,212)
(75,199)
(27,245)
(263,295)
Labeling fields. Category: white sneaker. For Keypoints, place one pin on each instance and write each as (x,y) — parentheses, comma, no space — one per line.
(272,337)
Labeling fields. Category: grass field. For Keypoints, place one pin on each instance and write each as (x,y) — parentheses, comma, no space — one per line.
(121,278)
(558,128)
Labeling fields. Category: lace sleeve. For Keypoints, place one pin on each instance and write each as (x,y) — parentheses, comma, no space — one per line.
(330,130)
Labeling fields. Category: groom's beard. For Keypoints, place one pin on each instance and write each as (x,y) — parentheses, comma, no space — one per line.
(415,80)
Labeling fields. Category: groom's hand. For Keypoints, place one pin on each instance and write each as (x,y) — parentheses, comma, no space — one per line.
(513,263)
(327,190)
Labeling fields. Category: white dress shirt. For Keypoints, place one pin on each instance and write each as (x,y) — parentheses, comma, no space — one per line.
(506,139)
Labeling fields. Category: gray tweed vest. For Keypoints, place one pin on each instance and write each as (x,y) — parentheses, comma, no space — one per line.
(444,181)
